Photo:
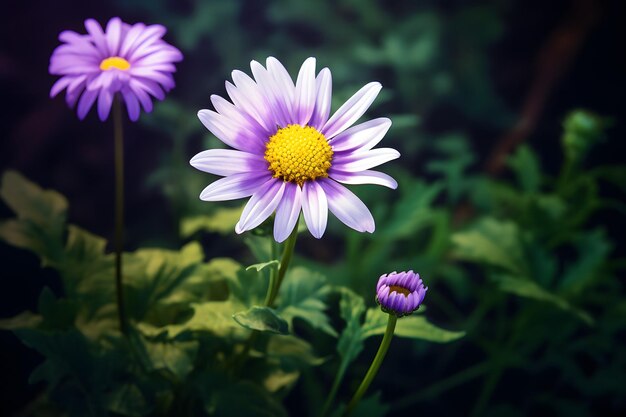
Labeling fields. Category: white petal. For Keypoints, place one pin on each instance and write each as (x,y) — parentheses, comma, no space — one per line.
(287,212)
(314,208)
(279,107)
(347,207)
(261,205)
(245,94)
(234,187)
(355,162)
(230,132)
(305,93)
(351,110)
(283,80)
(323,96)
(363,177)
(226,162)
(363,136)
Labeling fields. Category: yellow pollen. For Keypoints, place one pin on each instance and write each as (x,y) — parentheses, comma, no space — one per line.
(298,154)
(114,62)
(399,290)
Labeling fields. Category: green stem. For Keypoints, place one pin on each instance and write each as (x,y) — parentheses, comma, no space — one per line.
(272,291)
(378,360)
(270,286)
(282,269)
(119,211)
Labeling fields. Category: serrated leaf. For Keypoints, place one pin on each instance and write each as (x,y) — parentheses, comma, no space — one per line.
(247,287)
(350,343)
(527,170)
(263,319)
(31,202)
(492,242)
(303,294)
(175,356)
(160,277)
(212,316)
(40,219)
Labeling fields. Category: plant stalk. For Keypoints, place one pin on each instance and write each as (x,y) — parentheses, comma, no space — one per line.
(282,269)
(378,360)
(119,212)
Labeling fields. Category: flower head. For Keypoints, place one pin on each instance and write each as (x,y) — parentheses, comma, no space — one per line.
(131,60)
(400,293)
(289,155)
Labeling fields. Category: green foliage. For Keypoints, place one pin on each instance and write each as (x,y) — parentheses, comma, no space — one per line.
(263,319)
(525,267)
(303,295)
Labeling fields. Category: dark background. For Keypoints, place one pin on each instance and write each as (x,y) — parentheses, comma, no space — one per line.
(570,53)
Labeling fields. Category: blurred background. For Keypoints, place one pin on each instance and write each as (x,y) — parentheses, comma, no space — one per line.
(497,107)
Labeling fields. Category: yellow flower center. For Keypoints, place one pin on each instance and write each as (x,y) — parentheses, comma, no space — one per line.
(114,62)
(399,290)
(298,153)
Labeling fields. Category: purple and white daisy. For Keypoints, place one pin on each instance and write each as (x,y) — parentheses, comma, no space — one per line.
(289,155)
(400,293)
(131,60)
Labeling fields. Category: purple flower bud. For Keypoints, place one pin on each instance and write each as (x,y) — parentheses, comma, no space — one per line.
(400,293)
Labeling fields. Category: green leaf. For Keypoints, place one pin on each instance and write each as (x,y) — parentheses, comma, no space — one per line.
(127,400)
(263,319)
(458,158)
(280,379)
(40,219)
(292,352)
(350,344)
(212,316)
(159,277)
(260,246)
(526,166)
(581,130)
(56,313)
(176,357)
(530,289)
(221,221)
(303,294)
(24,320)
(247,287)
(593,249)
(492,242)
(412,327)
(87,270)
(31,202)
(261,266)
